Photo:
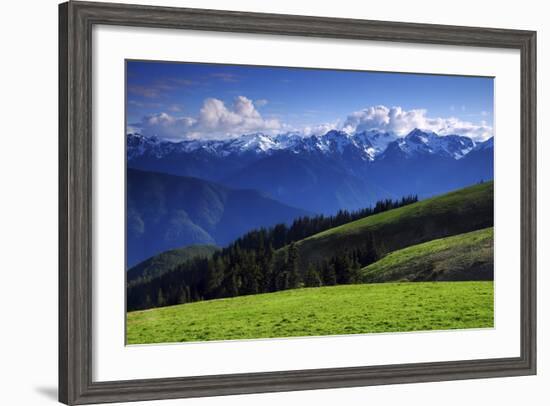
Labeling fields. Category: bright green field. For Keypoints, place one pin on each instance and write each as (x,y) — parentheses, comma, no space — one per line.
(347,309)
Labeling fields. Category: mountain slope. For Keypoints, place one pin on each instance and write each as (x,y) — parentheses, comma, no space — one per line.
(165,212)
(420,163)
(467,256)
(457,212)
(479,162)
(423,143)
(317,182)
(168,260)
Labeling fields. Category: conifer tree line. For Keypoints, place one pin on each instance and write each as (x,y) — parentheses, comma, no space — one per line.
(261,261)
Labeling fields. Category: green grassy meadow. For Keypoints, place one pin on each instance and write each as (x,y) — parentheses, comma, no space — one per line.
(467,256)
(345,309)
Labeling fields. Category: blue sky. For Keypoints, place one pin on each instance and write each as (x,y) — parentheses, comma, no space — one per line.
(187,100)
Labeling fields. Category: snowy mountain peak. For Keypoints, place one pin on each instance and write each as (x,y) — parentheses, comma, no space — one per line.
(253,142)
(367,145)
(487,144)
(337,140)
(417,132)
(374,142)
(419,142)
(138,145)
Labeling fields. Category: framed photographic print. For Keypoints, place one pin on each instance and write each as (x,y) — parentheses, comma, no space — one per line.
(257,202)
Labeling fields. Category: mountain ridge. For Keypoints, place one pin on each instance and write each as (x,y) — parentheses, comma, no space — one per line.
(166,212)
(324,174)
(166,260)
(370,143)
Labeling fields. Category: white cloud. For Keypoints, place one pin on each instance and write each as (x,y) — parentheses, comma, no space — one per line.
(320,129)
(164,125)
(176,108)
(401,122)
(261,102)
(215,121)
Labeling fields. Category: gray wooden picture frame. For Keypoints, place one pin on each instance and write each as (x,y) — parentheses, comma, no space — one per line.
(76,20)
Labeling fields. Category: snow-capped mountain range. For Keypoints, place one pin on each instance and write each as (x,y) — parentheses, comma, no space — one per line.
(368,145)
(322,174)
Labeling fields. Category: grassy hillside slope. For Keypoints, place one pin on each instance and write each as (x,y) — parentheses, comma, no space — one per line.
(454,213)
(168,260)
(349,309)
(466,256)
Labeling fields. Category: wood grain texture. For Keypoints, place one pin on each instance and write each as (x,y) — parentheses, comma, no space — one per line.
(76,20)
(63,365)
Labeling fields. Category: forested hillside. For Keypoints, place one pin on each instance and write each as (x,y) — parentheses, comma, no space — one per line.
(250,265)
(308,254)
(453,213)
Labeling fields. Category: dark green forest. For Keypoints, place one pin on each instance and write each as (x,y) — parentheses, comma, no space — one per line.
(249,265)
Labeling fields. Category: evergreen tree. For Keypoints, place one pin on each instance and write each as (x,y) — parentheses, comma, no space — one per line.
(328,274)
(232,282)
(294,279)
(368,253)
(215,276)
(266,268)
(312,278)
(250,275)
(355,271)
(279,278)
(182,296)
(160,298)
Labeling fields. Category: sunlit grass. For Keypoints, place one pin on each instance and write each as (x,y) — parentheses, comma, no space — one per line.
(349,309)
(467,256)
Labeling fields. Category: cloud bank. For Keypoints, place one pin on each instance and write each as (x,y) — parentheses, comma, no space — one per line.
(401,122)
(319,129)
(216,120)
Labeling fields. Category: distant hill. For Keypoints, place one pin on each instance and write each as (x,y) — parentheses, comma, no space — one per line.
(315,181)
(454,213)
(166,212)
(463,257)
(167,260)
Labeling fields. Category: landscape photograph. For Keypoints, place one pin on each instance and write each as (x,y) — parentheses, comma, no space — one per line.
(278,202)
